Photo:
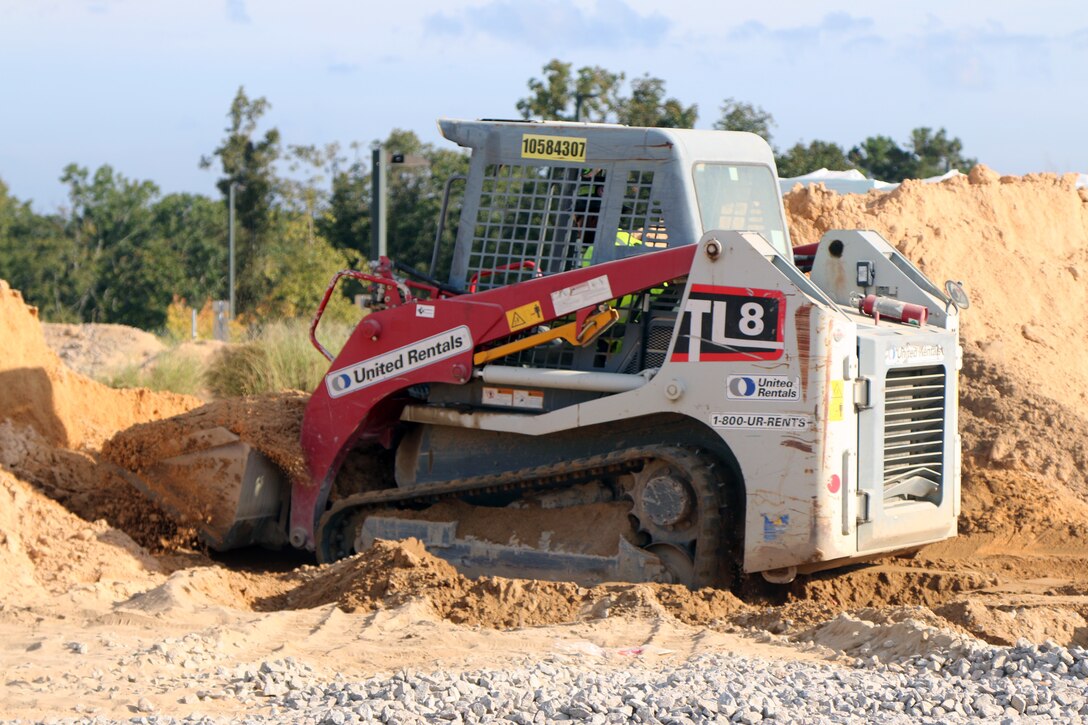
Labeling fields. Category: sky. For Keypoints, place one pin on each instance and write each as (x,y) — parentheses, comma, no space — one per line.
(145,85)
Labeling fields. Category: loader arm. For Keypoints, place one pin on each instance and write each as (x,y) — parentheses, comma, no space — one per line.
(365,390)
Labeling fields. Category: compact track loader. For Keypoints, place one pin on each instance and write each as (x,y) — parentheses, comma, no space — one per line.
(629,374)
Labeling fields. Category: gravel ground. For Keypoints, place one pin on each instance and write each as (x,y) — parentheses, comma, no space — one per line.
(1045,683)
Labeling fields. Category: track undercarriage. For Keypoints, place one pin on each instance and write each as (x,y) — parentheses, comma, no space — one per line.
(645,513)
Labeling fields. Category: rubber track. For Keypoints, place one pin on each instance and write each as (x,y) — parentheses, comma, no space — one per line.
(700,468)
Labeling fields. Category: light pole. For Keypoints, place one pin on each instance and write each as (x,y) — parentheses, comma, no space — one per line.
(579,99)
(230,247)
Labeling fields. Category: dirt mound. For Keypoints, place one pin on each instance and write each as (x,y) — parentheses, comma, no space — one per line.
(391,574)
(1019,244)
(98,350)
(1008,426)
(1005,624)
(91,488)
(46,550)
(67,409)
(889,635)
(271,423)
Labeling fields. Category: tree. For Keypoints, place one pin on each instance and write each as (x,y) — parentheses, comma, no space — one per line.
(741,116)
(195,228)
(560,96)
(879,157)
(109,222)
(250,164)
(937,154)
(36,257)
(802,159)
(415,197)
(293,270)
(648,106)
(346,221)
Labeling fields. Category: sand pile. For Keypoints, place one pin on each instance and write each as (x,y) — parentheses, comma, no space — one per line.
(1019,244)
(52,419)
(67,409)
(46,550)
(270,423)
(89,487)
(99,350)
(390,574)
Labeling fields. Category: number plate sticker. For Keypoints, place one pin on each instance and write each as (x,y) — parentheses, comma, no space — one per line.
(731,323)
(553,148)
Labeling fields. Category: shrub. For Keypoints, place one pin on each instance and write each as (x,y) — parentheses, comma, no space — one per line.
(173,371)
(277,357)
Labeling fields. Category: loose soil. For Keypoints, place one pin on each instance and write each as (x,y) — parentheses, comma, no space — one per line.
(100,350)
(80,549)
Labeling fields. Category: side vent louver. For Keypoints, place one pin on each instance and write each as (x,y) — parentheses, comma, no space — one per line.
(914,421)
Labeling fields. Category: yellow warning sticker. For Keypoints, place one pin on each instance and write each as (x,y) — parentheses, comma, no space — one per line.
(834,408)
(524,316)
(553,148)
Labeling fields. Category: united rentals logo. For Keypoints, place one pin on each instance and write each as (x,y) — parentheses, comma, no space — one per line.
(763,387)
(910,352)
(398,362)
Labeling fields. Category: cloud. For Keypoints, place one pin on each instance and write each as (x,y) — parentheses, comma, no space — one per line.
(236,11)
(343,68)
(836,26)
(980,58)
(561,23)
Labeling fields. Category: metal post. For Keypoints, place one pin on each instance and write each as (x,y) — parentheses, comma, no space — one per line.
(379,190)
(579,99)
(194,323)
(230,235)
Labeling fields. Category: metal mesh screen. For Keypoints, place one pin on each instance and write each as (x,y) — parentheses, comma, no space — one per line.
(529,223)
(642,216)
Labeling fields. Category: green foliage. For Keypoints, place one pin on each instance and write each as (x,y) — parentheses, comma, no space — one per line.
(802,159)
(121,272)
(346,221)
(279,357)
(174,370)
(880,157)
(927,154)
(196,228)
(120,252)
(648,106)
(741,116)
(38,258)
(595,94)
(937,154)
(289,274)
(415,198)
(561,96)
(248,162)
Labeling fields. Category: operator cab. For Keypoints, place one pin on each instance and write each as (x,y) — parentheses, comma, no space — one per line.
(541,196)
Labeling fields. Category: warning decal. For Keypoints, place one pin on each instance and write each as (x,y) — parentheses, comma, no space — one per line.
(581,295)
(834,406)
(525,316)
(731,323)
(513,398)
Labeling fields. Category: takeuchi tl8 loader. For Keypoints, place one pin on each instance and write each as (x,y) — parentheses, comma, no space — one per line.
(629,350)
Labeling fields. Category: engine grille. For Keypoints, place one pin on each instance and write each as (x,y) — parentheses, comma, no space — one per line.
(914,420)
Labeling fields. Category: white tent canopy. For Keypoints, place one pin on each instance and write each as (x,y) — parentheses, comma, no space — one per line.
(855,182)
(844,182)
